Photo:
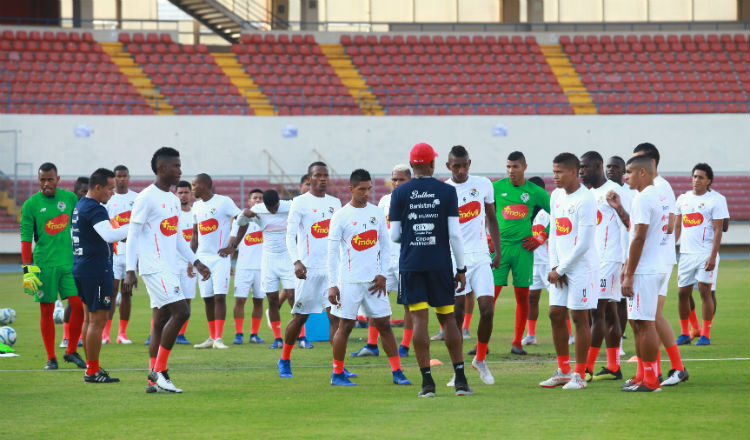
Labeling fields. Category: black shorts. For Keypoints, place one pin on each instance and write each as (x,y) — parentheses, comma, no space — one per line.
(96,292)
(435,287)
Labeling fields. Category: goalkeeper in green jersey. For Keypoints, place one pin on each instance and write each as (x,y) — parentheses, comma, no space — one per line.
(48,271)
(517,201)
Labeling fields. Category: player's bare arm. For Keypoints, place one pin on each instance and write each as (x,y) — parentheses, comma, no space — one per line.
(718,231)
(636,249)
(613,199)
(233,242)
(493,228)
(194,238)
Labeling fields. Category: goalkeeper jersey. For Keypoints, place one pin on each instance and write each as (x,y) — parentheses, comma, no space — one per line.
(46,222)
(515,208)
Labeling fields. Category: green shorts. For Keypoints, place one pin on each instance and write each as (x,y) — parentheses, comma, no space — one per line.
(517,259)
(58,279)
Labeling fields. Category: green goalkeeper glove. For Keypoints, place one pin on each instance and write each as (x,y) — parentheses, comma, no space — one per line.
(31,282)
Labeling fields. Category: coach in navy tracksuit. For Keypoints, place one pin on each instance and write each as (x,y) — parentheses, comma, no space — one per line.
(92,266)
(424,219)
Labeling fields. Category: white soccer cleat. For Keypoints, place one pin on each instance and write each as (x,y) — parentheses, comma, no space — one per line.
(208,343)
(452,382)
(465,333)
(557,379)
(484,371)
(438,336)
(675,377)
(64,343)
(571,339)
(124,340)
(219,344)
(622,352)
(575,383)
(528,340)
(162,381)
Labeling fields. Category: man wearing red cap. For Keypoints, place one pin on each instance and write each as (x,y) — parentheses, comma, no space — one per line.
(424,219)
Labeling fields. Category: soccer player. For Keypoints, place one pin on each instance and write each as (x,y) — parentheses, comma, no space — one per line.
(119,208)
(615,171)
(573,261)
(152,246)
(357,239)
(247,275)
(401,174)
(306,233)
(185,225)
(92,267)
(211,242)
(425,220)
(48,271)
(611,247)
(700,219)
(275,267)
(516,199)
(643,274)
(80,188)
(477,214)
(539,228)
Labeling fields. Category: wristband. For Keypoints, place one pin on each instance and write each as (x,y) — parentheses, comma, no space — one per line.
(461,270)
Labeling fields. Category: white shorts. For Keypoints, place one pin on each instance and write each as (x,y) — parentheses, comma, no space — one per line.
(275,270)
(479,280)
(118,267)
(355,296)
(579,294)
(311,294)
(539,281)
(642,305)
(391,279)
(218,283)
(188,284)
(163,288)
(691,270)
(246,280)
(609,281)
(664,288)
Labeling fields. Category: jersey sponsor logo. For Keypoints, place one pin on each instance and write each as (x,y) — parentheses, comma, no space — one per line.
(515,212)
(187,234)
(598,217)
(168,226)
(536,230)
(469,211)
(365,240)
(320,229)
(254,238)
(208,226)
(123,218)
(563,226)
(56,225)
(693,219)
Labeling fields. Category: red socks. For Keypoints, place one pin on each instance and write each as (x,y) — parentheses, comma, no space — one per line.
(563,363)
(302,331)
(581,370)
(694,320)
(239,323)
(395,362)
(532,327)
(211,331)
(481,351)
(467,320)
(286,352)
(522,312)
(254,325)
(372,335)
(674,357)
(276,328)
(161,359)
(570,329)
(406,340)
(151,363)
(76,323)
(497,293)
(184,327)
(613,359)
(338,367)
(219,328)
(92,367)
(639,371)
(122,328)
(706,331)
(684,327)
(591,359)
(107,329)
(66,329)
(650,375)
(47,325)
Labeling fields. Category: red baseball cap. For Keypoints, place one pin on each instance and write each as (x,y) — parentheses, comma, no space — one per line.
(422,153)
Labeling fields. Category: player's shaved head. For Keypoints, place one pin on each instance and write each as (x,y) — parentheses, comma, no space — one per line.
(313,165)
(458,151)
(538,181)
(121,168)
(161,155)
(641,162)
(592,156)
(204,179)
(517,156)
(47,166)
(649,150)
(567,160)
(271,199)
(184,184)
(640,170)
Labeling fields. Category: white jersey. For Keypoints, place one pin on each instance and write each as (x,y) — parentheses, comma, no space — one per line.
(308,225)
(648,210)
(610,230)
(385,205)
(666,196)
(250,249)
(361,237)
(158,211)
(119,208)
(273,227)
(185,225)
(472,195)
(697,214)
(569,213)
(214,220)
(538,225)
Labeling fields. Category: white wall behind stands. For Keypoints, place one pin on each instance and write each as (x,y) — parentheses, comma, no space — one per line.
(222,145)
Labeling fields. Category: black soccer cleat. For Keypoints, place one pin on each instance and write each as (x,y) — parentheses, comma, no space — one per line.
(463,389)
(75,358)
(51,364)
(517,350)
(100,376)
(427,391)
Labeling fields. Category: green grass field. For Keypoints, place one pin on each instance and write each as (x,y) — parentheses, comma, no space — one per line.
(235,392)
